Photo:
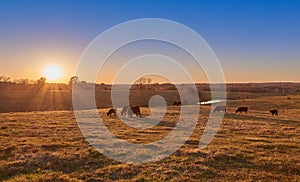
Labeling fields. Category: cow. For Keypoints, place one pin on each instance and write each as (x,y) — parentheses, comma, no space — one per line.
(129,113)
(220,108)
(242,109)
(130,110)
(134,109)
(274,112)
(124,110)
(177,103)
(111,111)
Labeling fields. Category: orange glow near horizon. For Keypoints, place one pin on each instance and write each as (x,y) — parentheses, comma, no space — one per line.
(53,73)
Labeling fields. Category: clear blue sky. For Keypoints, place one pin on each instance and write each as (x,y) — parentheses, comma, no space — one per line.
(254,40)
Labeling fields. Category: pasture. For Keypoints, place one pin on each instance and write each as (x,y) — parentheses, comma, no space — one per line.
(48,146)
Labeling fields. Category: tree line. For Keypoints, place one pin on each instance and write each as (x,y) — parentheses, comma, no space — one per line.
(41,81)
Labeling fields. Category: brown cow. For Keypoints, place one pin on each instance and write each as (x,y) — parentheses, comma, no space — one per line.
(134,109)
(274,112)
(112,111)
(242,109)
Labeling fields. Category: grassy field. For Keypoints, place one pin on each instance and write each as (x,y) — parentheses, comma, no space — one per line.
(48,146)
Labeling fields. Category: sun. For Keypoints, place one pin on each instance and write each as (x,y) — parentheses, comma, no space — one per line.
(53,72)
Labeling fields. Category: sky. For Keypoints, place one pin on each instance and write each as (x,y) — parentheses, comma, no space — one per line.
(255,41)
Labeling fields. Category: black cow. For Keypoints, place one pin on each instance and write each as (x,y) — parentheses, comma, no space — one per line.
(274,112)
(220,108)
(129,110)
(177,103)
(242,109)
(111,111)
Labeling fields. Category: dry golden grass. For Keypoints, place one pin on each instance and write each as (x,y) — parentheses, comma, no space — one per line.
(48,146)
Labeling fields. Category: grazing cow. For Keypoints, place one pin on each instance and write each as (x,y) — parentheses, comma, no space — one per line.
(112,111)
(129,110)
(274,112)
(177,103)
(134,109)
(289,98)
(129,113)
(220,108)
(242,109)
(124,110)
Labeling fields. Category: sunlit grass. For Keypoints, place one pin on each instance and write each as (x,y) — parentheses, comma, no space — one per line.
(48,146)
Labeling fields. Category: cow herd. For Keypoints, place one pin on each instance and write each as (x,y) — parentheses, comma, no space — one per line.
(274,112)
(129,110)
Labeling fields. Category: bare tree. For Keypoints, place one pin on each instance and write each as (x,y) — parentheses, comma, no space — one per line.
(143,87)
